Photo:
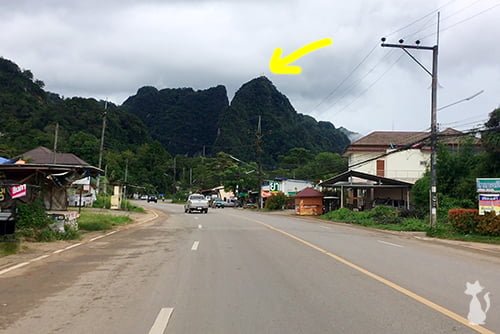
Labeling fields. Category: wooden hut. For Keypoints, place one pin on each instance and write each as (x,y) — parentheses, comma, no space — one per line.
(309,202)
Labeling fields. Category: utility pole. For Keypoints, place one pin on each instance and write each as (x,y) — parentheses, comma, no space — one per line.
(56,136)
(434,75)
(125,182)
(175,158)
(105,178)
(101,149)
(258,148)
(190,178)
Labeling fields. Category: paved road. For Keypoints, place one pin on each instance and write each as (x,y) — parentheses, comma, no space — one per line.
(235,271)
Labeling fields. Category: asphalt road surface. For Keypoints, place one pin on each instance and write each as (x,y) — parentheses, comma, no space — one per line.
(238,271)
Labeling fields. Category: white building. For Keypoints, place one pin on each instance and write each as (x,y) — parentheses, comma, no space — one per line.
(366,154)
(289,187)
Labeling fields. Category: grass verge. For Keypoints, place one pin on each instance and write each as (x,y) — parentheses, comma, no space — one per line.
(89,221)
(8,245)
(445,231)
(128,206)
(372,220)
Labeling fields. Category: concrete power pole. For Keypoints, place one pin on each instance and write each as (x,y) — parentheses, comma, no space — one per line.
(434,131)
(101,149)
(56,135)
(258,148)
(125,183)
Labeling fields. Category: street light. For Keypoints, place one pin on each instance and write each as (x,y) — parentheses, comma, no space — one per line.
(462,100)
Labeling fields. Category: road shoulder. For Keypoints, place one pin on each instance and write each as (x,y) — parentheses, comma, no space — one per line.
(30,251)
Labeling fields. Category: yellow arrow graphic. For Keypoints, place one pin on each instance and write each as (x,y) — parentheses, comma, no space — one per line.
(279,65)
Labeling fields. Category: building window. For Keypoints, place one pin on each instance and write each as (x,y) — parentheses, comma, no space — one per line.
(381,168)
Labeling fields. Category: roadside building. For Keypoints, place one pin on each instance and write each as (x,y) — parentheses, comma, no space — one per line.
(399,155)
(41,173)
(361,191)
(309,202)
(289,187)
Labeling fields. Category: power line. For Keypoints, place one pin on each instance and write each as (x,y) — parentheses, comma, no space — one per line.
(419,19)
(366,57)
(423,27)
(428,26)
(347,77)
(422,140)
(346,92)
(463,122)
(466,19)
(371,85)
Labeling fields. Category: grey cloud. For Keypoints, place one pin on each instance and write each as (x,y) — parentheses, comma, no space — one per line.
(111,48)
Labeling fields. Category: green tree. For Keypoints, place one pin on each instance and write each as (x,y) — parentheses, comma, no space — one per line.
(491,143)
(84,145)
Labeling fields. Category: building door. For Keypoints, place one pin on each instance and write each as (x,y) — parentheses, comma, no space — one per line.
(381,168)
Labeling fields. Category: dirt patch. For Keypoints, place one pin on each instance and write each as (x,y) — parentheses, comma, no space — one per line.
(30,250)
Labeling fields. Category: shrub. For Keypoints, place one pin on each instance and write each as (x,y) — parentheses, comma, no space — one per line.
(346,215)
(385,215)
(276,202)
(95,226)
(102,201)
(46,235)
(8,245)
(489,224)
(180,197)
(410,213)
(126,205)
(414,224)
(446,203)
(463,220)
(98,222)
(70,233)
(32,215)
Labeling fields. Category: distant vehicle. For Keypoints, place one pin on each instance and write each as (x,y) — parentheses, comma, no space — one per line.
(143,197)
(196,202)
(218,203)
(250,206)
(152,198)
(232,203)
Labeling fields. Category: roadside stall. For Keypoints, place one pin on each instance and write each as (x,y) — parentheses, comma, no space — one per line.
(309,202)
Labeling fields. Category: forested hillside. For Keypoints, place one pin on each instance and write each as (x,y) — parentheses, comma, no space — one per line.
(154,125)
(183,120)
(28,116)
(282,128)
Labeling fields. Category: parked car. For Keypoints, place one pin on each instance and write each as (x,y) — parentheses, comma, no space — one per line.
(143,197)
(196,202)
(232,203)
(249,205)
(218,203)
(152,198)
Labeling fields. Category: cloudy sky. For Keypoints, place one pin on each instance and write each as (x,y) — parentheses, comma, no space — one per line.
(110,48)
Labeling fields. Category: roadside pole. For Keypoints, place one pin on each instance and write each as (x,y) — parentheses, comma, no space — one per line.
(434,76)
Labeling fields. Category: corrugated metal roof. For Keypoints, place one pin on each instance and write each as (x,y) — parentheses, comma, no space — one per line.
(309,192)
(42,155)
(388,138)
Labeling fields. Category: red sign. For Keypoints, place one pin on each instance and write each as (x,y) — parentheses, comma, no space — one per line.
(17,191)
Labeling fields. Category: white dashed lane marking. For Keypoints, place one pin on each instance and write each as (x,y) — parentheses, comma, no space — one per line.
(390,243)
(161,321)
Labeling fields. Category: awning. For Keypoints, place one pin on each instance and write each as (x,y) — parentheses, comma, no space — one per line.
(348,179)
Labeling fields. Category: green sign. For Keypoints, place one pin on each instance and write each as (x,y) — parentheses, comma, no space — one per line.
(274,186)
(488,185)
